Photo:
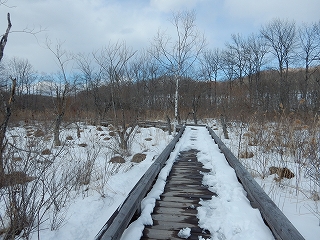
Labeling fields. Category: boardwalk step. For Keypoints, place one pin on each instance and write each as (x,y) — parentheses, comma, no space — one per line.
(161,234)
(177,207)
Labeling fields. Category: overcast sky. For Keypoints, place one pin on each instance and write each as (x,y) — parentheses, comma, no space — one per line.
(87,25)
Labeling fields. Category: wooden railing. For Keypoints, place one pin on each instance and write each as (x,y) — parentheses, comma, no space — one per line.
(279,224)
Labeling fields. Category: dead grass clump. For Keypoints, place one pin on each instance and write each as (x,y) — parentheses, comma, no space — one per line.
(281,172)
(29,133)
(148,139)
(253,142)
(246,154)
(39,133)
(47,138)
(139,157)
(112,134)
(247,134)
(315,196)
(117,159)
(28,127)
(69,138)
(46,151)
(16,159)
(3,231)
(14,178)
(82,145)
(111,128)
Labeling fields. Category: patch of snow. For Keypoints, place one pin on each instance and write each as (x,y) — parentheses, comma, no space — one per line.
(184,233)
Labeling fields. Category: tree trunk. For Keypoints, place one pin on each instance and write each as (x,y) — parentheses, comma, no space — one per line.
(176,107)
(56,131)
(4,38)
(3,127)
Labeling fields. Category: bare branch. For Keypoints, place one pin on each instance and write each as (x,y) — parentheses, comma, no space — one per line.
(4,38)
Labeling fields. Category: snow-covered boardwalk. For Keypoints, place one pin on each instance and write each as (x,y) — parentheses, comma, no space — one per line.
(193,203)
(177,208)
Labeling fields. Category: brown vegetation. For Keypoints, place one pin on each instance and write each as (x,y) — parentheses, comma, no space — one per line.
(14,178)
(117,159)
(281,172)
(139,157)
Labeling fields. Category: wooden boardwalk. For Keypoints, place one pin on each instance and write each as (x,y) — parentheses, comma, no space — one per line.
(177,208)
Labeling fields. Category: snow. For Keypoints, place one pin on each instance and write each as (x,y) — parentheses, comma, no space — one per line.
(184,233)
(292,196)
(227,216)
(91,206)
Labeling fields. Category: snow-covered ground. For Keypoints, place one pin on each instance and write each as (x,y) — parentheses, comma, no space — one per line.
(294,197)
(92,204)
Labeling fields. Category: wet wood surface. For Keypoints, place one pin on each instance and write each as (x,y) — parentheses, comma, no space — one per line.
(177,208)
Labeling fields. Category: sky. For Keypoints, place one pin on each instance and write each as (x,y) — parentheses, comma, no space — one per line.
(84,26)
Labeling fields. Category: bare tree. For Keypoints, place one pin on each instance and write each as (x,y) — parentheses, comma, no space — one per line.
(23,71)
(91,77)
(211,65)
(6,114)
(177,54)
(239,50)
(309,43)
(114,62)
(228,67)
(62,87)
(281,37)
(257,51)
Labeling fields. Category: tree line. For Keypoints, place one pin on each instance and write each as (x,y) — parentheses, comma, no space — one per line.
(177,77)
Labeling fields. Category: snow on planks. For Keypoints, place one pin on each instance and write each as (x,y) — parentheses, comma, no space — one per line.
(177,208)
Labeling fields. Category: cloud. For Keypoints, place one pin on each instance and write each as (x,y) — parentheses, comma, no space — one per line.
(262,11)
(87,25)
(83,26)
(174,5)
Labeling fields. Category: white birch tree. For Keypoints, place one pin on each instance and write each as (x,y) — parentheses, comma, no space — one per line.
(177,54)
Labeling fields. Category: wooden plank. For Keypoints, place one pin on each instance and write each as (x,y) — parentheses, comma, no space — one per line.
(189,195)
(163,234)
(175,204)
(175,218)
(279,224)
(174,210)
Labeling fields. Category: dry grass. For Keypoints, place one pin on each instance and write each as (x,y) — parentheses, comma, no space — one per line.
(39,133)
(117,159)
(112,134)
(69,138)
(99,129)
(14,178)
(46,151)
(82,145)
(139,157)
